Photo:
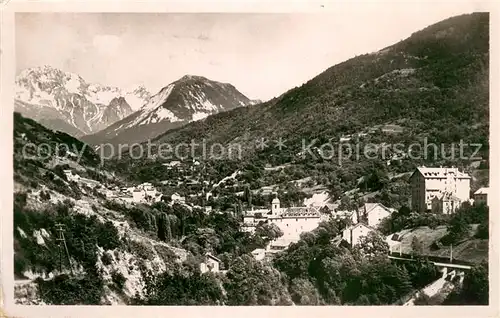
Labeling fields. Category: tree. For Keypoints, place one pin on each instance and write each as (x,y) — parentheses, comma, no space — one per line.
(363,300)
(181,289)
(475,290)
(250,282)
(247,195)
(325,210)
(164,227)
(417,246)
(457,229)
(483,231)
(404,210)
(372,245)
(303,292)
(206,238)
(385,225)
(347,204)
(268,232)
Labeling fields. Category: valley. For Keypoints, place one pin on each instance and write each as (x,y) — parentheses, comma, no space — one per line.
(361,217)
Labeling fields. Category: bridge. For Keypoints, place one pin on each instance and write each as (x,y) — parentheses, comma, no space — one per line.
(450,270)
(440,264)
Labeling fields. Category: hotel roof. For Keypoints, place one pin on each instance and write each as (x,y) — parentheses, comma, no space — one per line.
(441,172)
(300,211)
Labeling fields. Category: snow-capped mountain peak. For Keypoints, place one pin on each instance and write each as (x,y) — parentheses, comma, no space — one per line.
(64,101)
(190,98)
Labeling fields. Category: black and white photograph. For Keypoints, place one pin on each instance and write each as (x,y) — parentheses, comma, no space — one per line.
(315,158)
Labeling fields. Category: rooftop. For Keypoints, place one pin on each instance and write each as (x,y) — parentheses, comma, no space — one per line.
(369,207)
(258,250)
(484,190)
(450,197)
(301,211)
(208,255)
(441,172)
(352,227)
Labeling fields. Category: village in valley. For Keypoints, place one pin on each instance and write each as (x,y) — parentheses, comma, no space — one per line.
(435,190)
(428,214)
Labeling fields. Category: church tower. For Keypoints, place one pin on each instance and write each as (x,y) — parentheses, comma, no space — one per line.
(275,206)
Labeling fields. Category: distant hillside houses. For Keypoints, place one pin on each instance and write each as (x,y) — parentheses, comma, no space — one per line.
(345,138)
(387,129)
(172,164)
(392,129)
(439,190)
(71,176)
(176,198)
(182,165)
(143,193)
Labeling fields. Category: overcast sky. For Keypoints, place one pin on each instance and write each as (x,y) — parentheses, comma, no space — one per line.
(263,55)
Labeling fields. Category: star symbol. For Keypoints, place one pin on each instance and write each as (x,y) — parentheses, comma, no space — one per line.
(280,144)
(261,143)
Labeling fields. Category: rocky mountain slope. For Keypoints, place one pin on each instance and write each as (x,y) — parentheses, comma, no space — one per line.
(65,101)
(189,99)
(118,252)
(104,244)
(433,84)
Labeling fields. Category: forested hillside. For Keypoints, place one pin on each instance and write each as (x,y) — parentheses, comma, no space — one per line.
(431,88)
(435,84)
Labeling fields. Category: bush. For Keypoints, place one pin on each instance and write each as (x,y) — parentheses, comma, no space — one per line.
(483,231)
(106,258)
(165,253)
(83,234)
(44,195)
(66,290)
(142,250)
(118,279)
(423,300)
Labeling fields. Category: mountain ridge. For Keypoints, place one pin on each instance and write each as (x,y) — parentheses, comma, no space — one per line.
(65,101)
(190,98)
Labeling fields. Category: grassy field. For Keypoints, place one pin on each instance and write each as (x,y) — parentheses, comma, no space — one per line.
(470,250)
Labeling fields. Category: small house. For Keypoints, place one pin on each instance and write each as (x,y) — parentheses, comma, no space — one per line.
(259,254)
(374,213)
(210,264)
(481,196)
(353,233)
